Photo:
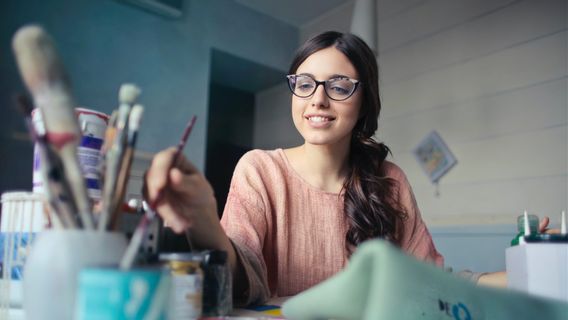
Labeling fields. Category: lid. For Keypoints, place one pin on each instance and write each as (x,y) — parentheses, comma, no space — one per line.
(21,195)
(181,256)
(84,111)
(545,237)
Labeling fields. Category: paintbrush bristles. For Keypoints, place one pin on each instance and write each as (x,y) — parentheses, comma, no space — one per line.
(45,78)
(36,57)
(134,120)
(128,93)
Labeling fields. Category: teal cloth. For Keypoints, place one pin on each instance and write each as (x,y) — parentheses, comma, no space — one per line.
(383,283)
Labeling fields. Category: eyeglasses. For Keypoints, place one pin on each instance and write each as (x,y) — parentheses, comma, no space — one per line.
(338,89)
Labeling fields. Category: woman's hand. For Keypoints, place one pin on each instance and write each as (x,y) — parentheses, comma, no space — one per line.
(186,199)
(187,202)
(543,227)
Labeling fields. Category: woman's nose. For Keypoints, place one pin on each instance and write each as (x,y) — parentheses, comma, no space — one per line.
(320,98)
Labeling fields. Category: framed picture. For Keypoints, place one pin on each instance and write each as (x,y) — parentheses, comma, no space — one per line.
(434,156)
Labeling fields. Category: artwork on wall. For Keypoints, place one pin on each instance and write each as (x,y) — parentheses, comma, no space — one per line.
(434,157)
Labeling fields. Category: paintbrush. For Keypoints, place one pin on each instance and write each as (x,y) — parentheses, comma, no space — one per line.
(56,189)
(128,94)
(137,238)
(110,133)
(124,173)
(150,211)
(177,154)
(45,78)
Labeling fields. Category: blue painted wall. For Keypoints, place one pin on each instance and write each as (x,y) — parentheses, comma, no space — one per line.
(104,43)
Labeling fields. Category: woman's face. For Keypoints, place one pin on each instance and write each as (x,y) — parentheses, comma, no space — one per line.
(319,119)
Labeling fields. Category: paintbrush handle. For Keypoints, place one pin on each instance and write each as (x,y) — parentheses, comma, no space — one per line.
(113,162)
(136,240)
(177,155)
(121,185)
(57,189)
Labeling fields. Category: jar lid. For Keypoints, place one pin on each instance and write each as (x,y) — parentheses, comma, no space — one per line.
(181,256)
(21,196)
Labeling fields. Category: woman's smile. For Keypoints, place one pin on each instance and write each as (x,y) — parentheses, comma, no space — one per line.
(319,121)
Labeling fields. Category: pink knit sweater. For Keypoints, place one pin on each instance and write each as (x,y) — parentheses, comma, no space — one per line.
(289,235)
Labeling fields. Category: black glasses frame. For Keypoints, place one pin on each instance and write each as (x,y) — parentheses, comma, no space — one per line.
(291,77)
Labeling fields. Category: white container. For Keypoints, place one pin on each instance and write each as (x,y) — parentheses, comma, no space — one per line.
(52,268)
(539,269)
(22,218)
(93,125)
(22,211)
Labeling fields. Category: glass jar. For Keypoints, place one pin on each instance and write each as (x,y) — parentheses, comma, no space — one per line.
(186,300)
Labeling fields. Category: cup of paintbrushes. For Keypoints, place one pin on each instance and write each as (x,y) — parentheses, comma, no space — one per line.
(54,263)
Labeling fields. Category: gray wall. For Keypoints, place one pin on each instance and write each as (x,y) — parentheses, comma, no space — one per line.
(104,43)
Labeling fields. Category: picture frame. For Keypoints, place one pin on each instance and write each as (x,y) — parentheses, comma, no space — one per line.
(434,156)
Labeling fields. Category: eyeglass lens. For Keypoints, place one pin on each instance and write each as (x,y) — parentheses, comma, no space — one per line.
(337,88)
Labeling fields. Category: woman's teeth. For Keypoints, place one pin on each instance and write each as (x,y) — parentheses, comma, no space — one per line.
(318,119)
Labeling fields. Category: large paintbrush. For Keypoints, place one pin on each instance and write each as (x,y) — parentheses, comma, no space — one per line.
(46,79)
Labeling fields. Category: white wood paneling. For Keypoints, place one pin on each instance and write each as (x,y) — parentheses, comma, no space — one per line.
(389,9)
(431,17)
(338,19)
(529,108)
(493,201)
(527,20)
(530,154)
(532,62)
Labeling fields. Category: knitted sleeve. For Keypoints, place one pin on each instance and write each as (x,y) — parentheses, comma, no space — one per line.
(415,238)
(244,221)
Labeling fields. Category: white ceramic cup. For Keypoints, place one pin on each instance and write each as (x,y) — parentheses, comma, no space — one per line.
(56,258)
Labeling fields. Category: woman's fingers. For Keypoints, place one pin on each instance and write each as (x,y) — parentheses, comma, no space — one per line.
(186,197)
(543,224)
(157,174)
(194,186)
(543,227)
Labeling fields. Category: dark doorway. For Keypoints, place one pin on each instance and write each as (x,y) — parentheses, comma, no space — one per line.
(233,84)
(229,136)
(230,131)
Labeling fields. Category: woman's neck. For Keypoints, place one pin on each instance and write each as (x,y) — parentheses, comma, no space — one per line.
(322,166)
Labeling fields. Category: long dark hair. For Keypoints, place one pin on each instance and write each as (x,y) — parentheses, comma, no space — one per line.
(370,197)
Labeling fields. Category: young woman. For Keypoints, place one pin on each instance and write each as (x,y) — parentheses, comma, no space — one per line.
(294,216)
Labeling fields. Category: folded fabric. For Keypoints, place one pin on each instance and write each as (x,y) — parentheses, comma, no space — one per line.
(383,283)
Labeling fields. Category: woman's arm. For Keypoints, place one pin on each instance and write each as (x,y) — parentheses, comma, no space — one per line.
(188,203)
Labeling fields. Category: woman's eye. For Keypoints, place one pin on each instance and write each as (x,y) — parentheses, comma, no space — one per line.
(304,86)
(339,89)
